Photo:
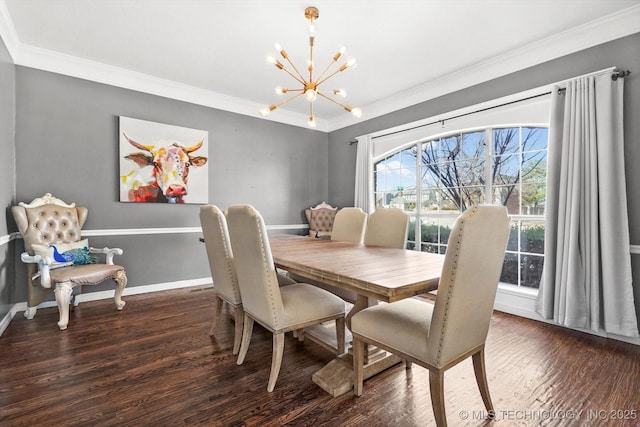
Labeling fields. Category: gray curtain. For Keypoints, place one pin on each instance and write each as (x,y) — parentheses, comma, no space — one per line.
(363,196)
(586,281)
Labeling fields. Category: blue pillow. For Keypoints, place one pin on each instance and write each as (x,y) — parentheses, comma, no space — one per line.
(78,256)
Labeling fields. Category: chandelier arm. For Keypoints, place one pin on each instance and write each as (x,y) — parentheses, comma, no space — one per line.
(288,99)
(298,79)
(328,77)
(301,79)
(324,72)
(345,106)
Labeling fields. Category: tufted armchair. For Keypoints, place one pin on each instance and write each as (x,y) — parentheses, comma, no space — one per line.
(320,219)
(56,257)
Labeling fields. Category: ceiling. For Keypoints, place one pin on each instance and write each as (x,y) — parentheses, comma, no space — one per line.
(212,52)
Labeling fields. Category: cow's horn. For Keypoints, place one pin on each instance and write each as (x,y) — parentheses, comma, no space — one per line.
(194,147)
(148,148)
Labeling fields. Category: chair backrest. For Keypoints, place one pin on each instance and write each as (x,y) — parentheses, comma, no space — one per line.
(349,225)
(48,220)
(468,283)
(387,227)
(219,252)
(256,271)
(320,218)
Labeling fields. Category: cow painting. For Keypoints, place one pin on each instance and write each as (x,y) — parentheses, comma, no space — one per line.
(163,171)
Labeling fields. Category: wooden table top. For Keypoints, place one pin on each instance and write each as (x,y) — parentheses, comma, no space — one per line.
(385,274)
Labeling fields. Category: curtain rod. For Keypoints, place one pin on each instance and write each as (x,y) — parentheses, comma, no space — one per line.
(616,74)
(463,115)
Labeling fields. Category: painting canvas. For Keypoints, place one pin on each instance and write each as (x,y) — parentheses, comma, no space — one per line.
(161,163)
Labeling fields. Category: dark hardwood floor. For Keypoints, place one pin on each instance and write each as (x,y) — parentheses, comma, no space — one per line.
(155,364)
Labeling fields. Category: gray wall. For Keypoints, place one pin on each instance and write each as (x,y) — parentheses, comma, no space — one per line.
(67,144)
(7,173)
(623,53)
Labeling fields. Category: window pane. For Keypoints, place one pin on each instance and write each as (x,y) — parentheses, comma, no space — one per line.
(408,178)
(509,196)
(430,152)
(429,230)
(411,231)
(533,198)
(510,269)
(534,138)
(430,248)
(532,237)
(430,177)
(512,243)
(470,172)
(393,161)
(506,169)
(534,166)
(450,199)
(531,271)
(450,148)
(408,158)
(473,145)
(430,201)
(471,196)
(506,141)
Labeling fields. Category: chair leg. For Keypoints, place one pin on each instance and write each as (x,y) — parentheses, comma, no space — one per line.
(75,297)
(340,334)
(30,312)
(481,378)
(276,360)
(436,386)
(121,282)
(246,338)
(217,312)
(358,366)
(63,298)
(239,314)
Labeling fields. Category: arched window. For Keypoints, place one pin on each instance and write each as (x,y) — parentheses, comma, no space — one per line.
(437,178)
(494,152)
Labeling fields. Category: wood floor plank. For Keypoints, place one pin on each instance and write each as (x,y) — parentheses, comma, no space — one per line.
(154,363)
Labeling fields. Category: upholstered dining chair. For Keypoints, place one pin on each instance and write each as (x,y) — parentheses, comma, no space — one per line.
(216,239)
(278,309)
(440,335)
(387,227)
(56,257)
(349,225)
(320,219)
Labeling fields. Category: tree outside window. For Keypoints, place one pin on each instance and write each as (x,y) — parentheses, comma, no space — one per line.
(502,165)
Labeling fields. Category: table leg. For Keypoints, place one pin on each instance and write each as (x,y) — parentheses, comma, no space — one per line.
(336,378)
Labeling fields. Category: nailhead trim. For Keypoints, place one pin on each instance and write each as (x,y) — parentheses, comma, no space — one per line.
(265,259)
(228,257)
(470,212)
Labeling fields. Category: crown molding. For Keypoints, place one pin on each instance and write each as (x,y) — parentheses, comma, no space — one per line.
(8,31)
(602,30)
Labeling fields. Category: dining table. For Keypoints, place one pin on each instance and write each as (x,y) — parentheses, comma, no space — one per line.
(373,273)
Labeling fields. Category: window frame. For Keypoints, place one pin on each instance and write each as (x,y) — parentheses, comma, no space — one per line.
(419,214)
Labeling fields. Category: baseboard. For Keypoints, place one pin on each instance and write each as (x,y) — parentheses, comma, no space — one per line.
(522,302)
(94,296)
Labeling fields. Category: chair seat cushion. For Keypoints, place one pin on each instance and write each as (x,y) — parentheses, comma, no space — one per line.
(88,274)
(403,325)
(305,303)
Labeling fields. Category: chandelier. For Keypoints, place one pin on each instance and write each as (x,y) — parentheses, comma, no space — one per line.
(310,87)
